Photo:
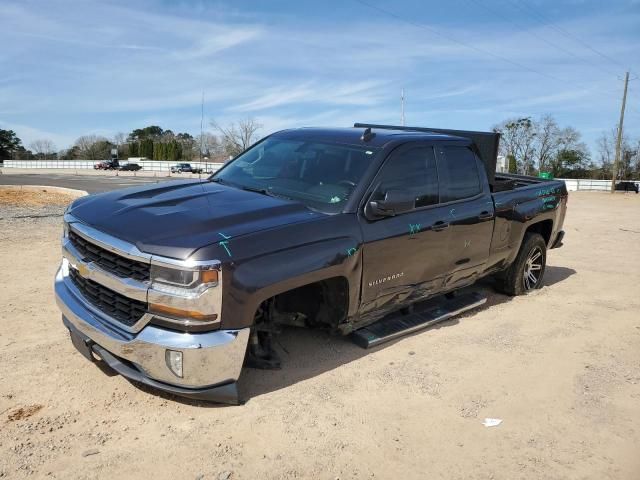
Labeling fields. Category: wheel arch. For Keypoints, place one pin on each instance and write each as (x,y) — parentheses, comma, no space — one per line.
(544,228)
(323,302)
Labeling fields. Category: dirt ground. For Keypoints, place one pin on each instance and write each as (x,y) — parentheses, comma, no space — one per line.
(560,367)
(32,198)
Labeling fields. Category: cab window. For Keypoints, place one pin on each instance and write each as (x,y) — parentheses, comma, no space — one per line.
(413,170)
(458,173)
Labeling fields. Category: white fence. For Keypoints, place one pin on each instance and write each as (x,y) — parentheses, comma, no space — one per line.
(147,165)
(575,184)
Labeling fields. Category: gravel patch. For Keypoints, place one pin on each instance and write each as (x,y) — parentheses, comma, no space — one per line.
(17,206)
(10,214)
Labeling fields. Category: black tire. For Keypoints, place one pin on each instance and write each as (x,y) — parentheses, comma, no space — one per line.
(532,259)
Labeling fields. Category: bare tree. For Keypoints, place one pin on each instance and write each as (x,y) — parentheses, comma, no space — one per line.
(635,160)
(625,166)
(237,137)
(606,153)
(566,140)
(607,148)
(568,137)
(93,147)
(120,138)
(209,145)
(547,135)
(85,142)
(518,139)
(542,144)
(121,144)
(72,153)
(43,148)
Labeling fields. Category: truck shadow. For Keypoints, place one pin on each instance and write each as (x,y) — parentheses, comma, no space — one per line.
(308,353)
(553,275)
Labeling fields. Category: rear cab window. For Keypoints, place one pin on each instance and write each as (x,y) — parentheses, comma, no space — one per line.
(458,174)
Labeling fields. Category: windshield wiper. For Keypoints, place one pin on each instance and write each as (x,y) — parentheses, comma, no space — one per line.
(242,187)
(262,191)
(265,191)
(247,188)
(220,181)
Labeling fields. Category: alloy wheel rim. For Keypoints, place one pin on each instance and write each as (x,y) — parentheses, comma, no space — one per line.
(533,269)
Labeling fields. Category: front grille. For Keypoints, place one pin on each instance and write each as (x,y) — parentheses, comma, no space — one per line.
(123,309)
(109,261)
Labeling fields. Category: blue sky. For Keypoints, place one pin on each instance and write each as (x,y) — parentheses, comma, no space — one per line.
(69,68)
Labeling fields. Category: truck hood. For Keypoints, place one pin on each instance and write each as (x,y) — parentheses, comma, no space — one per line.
(176,218)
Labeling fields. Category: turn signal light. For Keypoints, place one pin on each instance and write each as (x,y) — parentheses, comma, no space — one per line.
(209,276)
(180,313)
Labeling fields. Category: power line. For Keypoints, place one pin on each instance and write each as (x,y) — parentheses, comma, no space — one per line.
(547,22)
(540,37)
(459,42)
(478,49)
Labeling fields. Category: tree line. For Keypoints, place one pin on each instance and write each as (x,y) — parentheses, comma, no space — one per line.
(530,147)
(533,146)
(152,142)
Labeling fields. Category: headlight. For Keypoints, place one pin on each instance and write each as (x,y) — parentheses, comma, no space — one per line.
(187,300)
(182,282)
(65,229)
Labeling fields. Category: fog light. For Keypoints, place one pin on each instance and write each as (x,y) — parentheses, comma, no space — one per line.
(174,362)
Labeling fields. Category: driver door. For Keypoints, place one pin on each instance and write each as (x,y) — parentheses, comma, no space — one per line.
(405,255)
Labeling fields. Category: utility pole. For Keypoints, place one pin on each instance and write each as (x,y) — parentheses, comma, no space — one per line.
(402,107)
(616,162)
(201,124)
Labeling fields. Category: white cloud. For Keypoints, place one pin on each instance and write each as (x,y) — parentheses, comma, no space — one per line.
(95,66)
(29,134)
(214,43)
(357,93)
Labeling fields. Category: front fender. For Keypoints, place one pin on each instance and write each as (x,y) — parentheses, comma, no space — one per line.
(267,263)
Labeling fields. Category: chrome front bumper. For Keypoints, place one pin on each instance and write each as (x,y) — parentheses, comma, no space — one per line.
(211,361)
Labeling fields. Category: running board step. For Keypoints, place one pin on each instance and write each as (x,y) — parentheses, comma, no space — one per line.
(398,325)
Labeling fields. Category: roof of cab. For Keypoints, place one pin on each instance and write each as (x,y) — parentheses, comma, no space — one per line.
(352,135)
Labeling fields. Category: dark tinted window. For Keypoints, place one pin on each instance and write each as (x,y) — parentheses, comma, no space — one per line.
(413,170)
(458,172)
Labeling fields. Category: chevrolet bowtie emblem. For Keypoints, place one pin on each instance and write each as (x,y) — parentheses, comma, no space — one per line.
(83,270)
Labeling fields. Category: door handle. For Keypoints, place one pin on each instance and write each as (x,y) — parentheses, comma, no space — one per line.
(485,215)
(439,226)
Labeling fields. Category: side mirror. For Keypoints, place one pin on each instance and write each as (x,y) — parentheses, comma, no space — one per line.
(394,203)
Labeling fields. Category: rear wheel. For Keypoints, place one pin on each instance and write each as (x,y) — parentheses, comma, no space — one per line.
(527,271)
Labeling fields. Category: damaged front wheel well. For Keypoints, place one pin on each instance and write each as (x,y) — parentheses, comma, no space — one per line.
(321,304)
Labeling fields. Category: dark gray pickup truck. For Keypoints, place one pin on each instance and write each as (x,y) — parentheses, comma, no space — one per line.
(179,284)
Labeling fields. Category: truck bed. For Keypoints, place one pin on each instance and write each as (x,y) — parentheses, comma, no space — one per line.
(510,181)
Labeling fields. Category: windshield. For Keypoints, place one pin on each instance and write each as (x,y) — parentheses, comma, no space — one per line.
(320,175)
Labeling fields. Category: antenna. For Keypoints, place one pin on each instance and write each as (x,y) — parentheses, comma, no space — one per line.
(367,135)
(402,107)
